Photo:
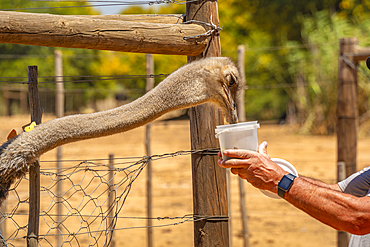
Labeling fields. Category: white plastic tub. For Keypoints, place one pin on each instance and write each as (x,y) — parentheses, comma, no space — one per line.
(238,136)
(245,136)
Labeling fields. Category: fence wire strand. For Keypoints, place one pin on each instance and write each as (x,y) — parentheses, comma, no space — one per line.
(89,78)
(105,4)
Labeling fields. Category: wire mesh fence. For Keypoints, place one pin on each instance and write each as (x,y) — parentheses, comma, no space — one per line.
(91,198)
(84,200)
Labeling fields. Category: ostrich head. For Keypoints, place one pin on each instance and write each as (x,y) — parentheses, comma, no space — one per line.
(227,87)
(213,79)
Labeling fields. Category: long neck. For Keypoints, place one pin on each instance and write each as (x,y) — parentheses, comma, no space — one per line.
(164,98)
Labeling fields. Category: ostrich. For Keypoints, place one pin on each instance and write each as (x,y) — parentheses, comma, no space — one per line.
(207,80)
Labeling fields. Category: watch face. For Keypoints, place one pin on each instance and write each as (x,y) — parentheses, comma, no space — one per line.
(285,183)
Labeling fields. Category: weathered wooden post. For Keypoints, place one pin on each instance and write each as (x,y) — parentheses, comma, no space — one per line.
(111,202)
(209,180)
(241,115)
(347,113)
(149,85)
(228,191)
(34,170)
(59,112)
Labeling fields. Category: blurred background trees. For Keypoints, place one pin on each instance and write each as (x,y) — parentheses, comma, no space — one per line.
(291,56)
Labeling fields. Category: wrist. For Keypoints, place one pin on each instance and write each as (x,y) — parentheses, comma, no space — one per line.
(285,184)
(277,180)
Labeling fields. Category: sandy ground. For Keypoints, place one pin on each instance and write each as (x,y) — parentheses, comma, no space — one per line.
(271,222)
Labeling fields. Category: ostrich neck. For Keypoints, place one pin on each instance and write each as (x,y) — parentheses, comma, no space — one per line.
(160,100)
(129,116)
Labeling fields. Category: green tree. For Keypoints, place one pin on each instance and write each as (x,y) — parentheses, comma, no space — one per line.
(318,65)
(14,58)
(285,40)
(264,27)
(115,63)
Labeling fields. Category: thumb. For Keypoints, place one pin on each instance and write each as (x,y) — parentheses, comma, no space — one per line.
(262,149)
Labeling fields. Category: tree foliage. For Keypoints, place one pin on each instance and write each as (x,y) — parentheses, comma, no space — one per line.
(287,40)
(14,58)
(318,65)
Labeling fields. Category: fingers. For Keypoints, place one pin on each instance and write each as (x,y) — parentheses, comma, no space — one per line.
(239,153)
(239,158)
(245,154)
(241,172)
(234,163)
(234,171)
(262,149)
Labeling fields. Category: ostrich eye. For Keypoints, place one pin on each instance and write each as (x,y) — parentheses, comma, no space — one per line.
(231,79)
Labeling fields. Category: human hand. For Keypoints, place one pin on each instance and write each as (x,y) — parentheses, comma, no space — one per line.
(257,168)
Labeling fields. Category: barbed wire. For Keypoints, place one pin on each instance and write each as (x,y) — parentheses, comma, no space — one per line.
(44,92)
(131,77)
(90,78)
(112,4)
(138,2)
(51,55)
(105,1)
(248,48)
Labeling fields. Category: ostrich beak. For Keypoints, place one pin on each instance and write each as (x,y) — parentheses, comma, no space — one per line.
(232,116)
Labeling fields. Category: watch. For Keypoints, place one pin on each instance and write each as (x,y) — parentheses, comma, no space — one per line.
(285,183)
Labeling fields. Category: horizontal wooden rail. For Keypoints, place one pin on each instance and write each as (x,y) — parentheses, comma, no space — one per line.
(100,34)
(361,53)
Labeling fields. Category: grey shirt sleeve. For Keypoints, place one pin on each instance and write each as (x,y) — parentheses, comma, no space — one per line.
(358,184)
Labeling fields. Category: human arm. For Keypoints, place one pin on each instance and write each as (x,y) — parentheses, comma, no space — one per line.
(322,184)
(341,211)
(324,202)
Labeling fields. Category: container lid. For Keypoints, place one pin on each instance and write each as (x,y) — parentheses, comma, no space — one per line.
(220,129)
(226,126)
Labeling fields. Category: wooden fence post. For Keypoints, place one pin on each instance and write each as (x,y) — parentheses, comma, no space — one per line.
(111,202)
(230,225)
(59,112)
(347,113)
(209,180)
(240,104)
(342,237)
(59,85)
(241,115)
(34,170)
(149,85)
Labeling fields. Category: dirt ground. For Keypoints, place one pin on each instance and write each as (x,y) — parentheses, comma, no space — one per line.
(271,222)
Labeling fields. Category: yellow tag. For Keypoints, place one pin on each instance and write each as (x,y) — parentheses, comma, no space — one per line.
(30,127)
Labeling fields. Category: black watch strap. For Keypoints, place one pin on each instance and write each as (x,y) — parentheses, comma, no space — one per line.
(285,183)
